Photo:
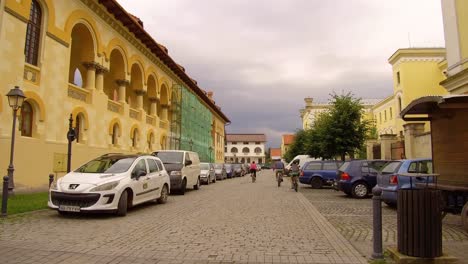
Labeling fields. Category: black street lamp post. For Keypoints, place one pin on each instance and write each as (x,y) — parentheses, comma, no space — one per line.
(71,136)
(15,100)
(191,144)
(211,150)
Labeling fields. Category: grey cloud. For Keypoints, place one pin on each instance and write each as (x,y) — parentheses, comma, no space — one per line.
(262,57)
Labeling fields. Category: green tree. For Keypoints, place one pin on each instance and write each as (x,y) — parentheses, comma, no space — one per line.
(346,129)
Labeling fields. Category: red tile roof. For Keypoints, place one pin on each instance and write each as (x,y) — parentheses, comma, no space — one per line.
(134,27)
(245,138)
(288,139)
(275,152)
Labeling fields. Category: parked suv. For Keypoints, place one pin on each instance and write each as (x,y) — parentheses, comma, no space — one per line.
(111,183)
(358,177)
(183,168)
(390,179)
(319,173)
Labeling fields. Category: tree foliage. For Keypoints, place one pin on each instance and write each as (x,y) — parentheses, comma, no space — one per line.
(339,132)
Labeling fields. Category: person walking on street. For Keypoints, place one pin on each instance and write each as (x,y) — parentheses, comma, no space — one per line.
(253,171)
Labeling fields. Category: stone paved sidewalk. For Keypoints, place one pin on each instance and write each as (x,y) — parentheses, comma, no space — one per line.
(232,221)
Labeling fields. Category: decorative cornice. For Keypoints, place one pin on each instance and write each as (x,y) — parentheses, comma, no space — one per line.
(122,82)
(140,92)
(15,14)
(91,65)
(59,40)
(101,69)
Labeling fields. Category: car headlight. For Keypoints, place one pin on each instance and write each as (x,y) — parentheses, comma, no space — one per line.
(176,173)
(105,187)
(53,186)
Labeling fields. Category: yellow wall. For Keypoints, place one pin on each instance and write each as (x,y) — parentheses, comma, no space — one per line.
(53,98)
(462,15)
(420,71)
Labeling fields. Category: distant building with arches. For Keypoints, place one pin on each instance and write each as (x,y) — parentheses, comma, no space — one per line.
(245,148)
(95,61)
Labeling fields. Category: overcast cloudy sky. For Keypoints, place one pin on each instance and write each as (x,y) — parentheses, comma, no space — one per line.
(261,58)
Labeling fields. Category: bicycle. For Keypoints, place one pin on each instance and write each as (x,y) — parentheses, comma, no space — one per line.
(295,180)
(279,177)
(253,174)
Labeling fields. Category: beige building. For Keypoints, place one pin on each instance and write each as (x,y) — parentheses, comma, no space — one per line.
(93,60)
(245,148)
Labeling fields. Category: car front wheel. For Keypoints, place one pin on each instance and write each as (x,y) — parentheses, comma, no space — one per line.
(197,186)
(122,206)
(360,190)
(164,194)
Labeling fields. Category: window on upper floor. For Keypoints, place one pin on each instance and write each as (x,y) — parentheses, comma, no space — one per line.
(257,143)
(385,115)
(234,150)
(391,114)
(246,143)
(380,118)
(234,143)
(33,34)
(245,150)
(398,77)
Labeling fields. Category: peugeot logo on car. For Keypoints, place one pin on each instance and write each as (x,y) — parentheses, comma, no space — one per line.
(73,186)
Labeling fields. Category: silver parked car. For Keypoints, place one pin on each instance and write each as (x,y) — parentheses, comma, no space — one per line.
(220,171)
(207,174)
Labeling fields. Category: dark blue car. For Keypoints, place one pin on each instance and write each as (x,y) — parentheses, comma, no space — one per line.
(229,170)
(358,177)
(390,179)
(319,173)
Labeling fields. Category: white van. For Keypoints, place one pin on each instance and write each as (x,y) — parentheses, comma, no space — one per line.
(302,159)
(183,168)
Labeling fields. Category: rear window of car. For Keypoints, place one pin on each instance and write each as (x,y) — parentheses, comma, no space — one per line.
(344,166)
(204,166)
(170,157)
(330,166)
(313,166)
(391,167)
(218,166)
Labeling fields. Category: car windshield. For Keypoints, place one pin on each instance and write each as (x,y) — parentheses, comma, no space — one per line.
(218,166)
(344,166)
(391,167)
(107,165)
(228,166)
(170,157)
(204,166)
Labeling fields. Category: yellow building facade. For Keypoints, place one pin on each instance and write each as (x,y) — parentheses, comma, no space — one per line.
(416,72)
(95,61)
(455,16)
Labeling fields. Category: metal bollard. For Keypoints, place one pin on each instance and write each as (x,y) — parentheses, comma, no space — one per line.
(51,179)
(5,196)
(377,222)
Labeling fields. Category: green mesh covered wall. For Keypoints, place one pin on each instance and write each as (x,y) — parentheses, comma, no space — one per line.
(196,120)
(176,114)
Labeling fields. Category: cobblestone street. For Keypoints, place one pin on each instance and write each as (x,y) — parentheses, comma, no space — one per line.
(353,219)
(232,221)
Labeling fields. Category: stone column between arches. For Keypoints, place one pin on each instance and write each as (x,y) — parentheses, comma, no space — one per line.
(140,94)
(154,106)
(122,84)
(100,71)
(90,74)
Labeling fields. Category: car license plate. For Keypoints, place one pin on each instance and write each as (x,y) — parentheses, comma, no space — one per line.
(69,208)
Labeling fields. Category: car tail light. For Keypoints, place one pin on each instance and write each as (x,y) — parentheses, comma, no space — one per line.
(345,176)
(393,179)
(302,173)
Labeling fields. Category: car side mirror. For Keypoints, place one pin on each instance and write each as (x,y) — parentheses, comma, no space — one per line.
(188,162)
(138,174)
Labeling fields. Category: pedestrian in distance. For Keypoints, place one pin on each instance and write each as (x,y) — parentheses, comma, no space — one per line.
(253,171)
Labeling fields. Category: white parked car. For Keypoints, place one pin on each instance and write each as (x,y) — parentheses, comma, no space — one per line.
(183,168)
(111,183)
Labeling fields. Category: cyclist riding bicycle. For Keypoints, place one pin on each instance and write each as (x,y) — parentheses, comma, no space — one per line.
(279,167)
(253,170)
(294,173)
